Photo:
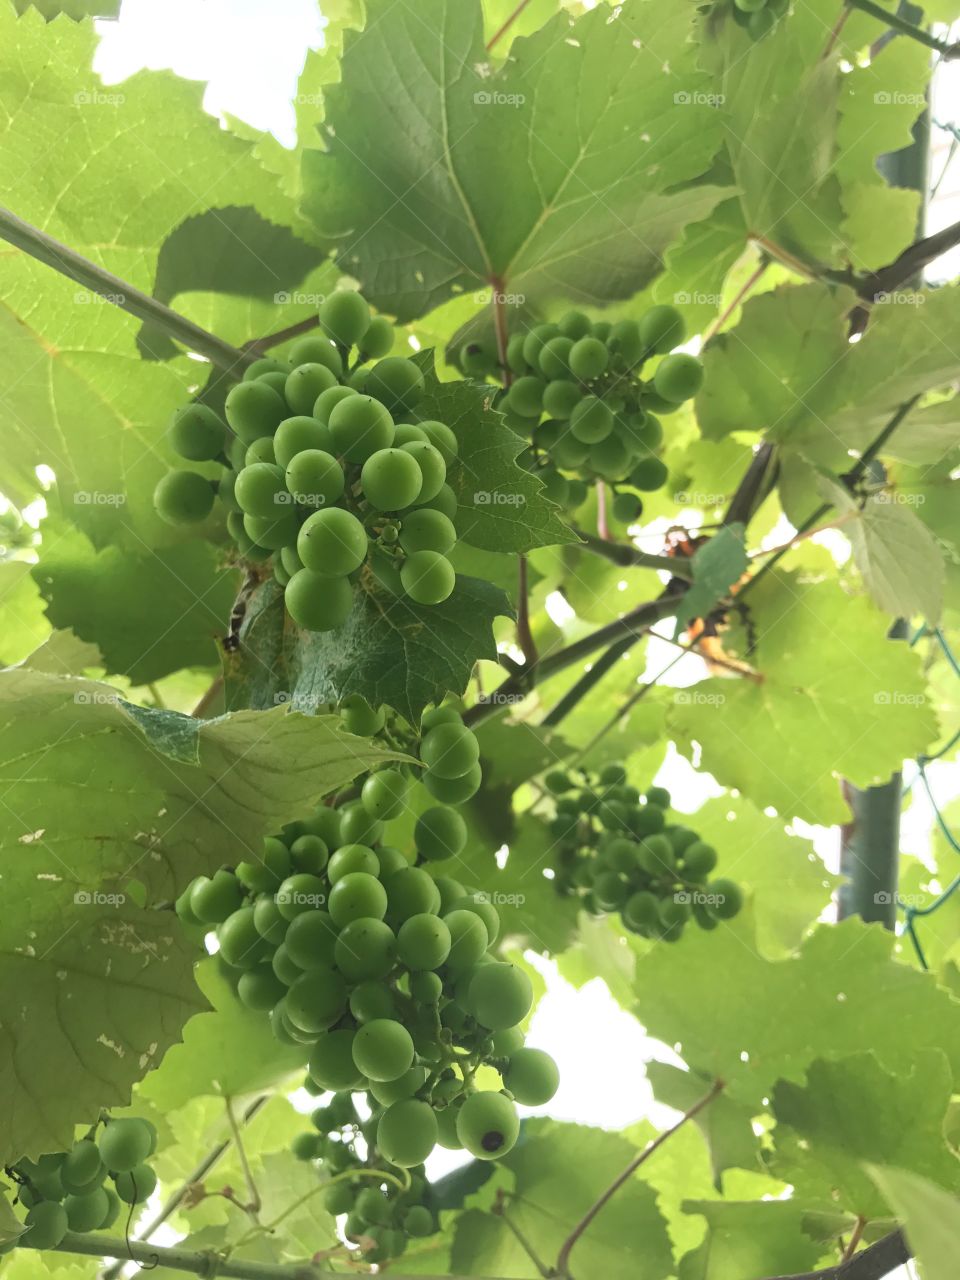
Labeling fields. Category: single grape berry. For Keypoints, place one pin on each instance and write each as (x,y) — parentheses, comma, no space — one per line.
(678,377)
(359,426)
(183,497)
(439,833)
(332,542)
(407,1133)
(532,1077)
(501,995)
(315,478)
(254,409)
(302,387)
(661,329)
(396,382)
(197,433)
(488,1125)
(449,750)
(383,1050)
(125,1143)
(391,480)
(344,317)
(428,577)
(317,602)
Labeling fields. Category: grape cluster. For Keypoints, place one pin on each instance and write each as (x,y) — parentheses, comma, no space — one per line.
(68,1190)
(380,1214)
(577,392)
(757,17)
(325,471)
(383,969)
(620,851)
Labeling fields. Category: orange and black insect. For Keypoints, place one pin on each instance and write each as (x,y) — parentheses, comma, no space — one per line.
(705,633)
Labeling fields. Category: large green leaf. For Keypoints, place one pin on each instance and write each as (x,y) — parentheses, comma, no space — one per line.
(736,1027)
(749,1239)
(901,565)
(105,806)
(726,1125)
(22,624)
(388,651)
(931,1218)
(424,142)
(827,1128)
(836,699)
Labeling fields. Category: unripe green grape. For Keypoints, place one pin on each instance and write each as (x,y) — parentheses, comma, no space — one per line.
(729,898)
(226,491)
(260,451)
(454,790)
(309,853)
(442,438)
(183,497)
(588,358)
(423,942)
(418,1221)
(609,458)
(316,1000)
(536,340)
(439,833)
(338,1198)
(396,382)
(488,1125)
(391,860)
(569,451)
(310,941)
(487,913)
(257,369)
(305,1146)
(316,350)
(371,998)
(254,409)
(407,1133)
(468,939)
(699,859)
(526,396)
(574,324)
(447,1128)
(384,794)
(506,1043)
(681,838)
(649,474)
(307,382)
(561,398)
(268,921)
(433,469)
(501,995)
(678,377)
(211,901)
(750,6)
(113,1210)
(260,988)
(662,328)
(555,358)
(383,1050)
(299,893)
(358,380)
(344,317)
(477,360)
(372,1206)
(365,949)
(640,911)
(317,602)
(272,532)
(296,434)
(610,890)
(328,400)
(81,1166)
(410,892)
(449,750)
(197,433)
(391,480)
(359,426)
(532,1077)
(426,987)
(407,432)
(359,717)
(125,1143)
(515,358)
(240,945)
(427,530)
(625,343)
(315,478)
(627,507)
(356,896)
(332,542)
(358,826)
(656,856)
(47,1224)
(591,421)
(276,380)
(554,485)
(258,487)
(377,341)
(428,577)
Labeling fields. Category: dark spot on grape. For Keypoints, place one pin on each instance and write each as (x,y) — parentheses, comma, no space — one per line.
(492,1141)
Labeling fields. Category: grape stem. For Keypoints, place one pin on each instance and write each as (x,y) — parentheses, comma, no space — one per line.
(563,1258)
(499,1210)
(31,240)
(257,346)
(507,24)
(627,555)
(255,1202)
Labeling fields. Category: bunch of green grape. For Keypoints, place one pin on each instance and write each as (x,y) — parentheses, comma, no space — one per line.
(325,470)
(385,970)
(84,1189)
(757,17)
(380,1215)
(618,850)
(576,390)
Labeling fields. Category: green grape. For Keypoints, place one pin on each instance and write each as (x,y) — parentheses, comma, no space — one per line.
(268,921)
(444,500)
(468,939)
(426,987)
(418,1221)
(554,485)
(532,1077)
(316,1000)
(609,458)
(428,577)
(211,901)
(699,859)
(506,1043)
(396,382)
(410,892)
(370,998)
(294,435)
(306,1146)
(308,381)
(254,409)
(569,451)
(260,451)
(357,896)
(258,488)
(183,497)
(81,1166)
(47,1224)
(272,532)
(327,401)
(260,988)
(360,718)
(447,1128)
(454,790)
(384,794)
(377,341)
(488,1125)
(365,949)
(276,380)
(678,377)
(449,750)
(309,853)
(358,380)
(560,398)
(589,358)
(624,341)
(649,474)
(383,1050)
(407,1133)
(315,350)
(761,23)
(258,369)
(332,542)
(729,898)
(406,433)
(500,994)
(357,826)
(240,945)
(525,396)
(391,480)
(310,941)
(373,1206)
(359,426)
(424,942)
(338,1198)
(125,1143)
(113,1210)
(136,1185)
(477,360)
(331,1063)
(555,358)
(627,507)
(433,469)
(344,317)
(391,860)
(439,833)
(197,433)
(661,329)
(610,891)
(574,324)
(299,893)
(226,491)
(591,421)
(439,715)
(641,911)
(536,340)
(442,438)
(315,478)
(515,358)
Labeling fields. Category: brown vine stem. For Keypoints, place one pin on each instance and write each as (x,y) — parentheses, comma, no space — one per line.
(754,278)
(563,1258)
(855,1237)
(836,32)
(507,24)
(499,1211)
(256,346)
(784,256)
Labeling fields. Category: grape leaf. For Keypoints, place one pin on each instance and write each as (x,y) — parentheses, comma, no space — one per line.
(736,1028)
(726,1125)
(931,1219)
(417,164)
(22,624)
(717,565)
(749,1239)
(227,1052)
(827,1129)
(836,699)
(76,9)
(502,507)
(388,651)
